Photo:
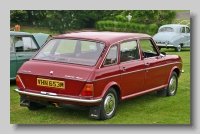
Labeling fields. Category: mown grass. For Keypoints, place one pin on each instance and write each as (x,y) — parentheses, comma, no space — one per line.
(146,109)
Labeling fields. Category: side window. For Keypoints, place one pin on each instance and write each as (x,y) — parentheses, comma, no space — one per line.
(187,30)
(111,57)
(24,44)
(148,49)
(11,45)
(129,51)
(182,30)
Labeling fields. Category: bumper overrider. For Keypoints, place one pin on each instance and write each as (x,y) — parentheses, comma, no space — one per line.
(54,96)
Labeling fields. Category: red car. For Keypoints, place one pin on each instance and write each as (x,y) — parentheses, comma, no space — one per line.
(96,70)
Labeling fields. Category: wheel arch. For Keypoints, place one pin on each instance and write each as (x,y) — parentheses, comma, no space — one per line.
(115,86)
(174,69)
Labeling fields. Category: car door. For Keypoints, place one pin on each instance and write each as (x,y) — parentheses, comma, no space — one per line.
(25,47)
(155,74)
(13,60)
(132,68)
(185,32)
(188,37)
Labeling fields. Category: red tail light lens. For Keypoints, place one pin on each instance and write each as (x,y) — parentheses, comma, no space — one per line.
(87,90)
(19,82)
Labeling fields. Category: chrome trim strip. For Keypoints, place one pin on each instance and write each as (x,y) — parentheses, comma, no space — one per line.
(66,78)
(133,71)
(55,97)
(163,65)
(165,45)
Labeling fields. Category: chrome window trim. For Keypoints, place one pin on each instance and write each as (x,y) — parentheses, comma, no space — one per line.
(117,43)
(107,54)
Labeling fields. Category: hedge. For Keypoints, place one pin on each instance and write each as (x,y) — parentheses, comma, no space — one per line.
(150,29)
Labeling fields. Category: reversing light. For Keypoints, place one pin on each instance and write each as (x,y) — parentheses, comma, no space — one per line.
(87,90)
(19,82)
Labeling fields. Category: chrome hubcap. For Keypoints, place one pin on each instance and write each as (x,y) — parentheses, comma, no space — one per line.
(109,104)
(179,48)
(172,85)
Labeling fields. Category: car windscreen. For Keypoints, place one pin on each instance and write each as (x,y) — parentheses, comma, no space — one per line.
(166,29)
(72,51)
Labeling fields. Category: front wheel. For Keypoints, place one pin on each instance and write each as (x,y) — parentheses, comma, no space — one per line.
(109,104)
(172,85)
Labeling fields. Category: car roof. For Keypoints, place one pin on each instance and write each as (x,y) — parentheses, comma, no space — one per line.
(174,25)
(19,33)
(107,37)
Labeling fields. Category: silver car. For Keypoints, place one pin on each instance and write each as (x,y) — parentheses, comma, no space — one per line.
(173,36)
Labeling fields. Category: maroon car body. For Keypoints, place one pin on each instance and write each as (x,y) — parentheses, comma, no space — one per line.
(96,70)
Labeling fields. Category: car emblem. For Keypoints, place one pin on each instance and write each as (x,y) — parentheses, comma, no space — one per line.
(51,72)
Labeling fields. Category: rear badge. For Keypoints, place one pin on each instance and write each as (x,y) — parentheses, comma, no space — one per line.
(51,72)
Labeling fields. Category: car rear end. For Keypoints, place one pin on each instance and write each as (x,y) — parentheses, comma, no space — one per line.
(57,74)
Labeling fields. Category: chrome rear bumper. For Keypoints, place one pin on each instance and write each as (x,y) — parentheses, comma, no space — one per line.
(55,97)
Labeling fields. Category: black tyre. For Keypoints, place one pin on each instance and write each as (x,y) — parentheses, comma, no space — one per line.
(35,106)
(172,85)
(109,104)
(178,48)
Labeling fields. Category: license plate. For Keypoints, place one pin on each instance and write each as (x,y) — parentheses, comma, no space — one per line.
(50,83)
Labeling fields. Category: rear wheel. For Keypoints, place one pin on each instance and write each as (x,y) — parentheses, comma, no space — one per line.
(109,104)
(35,106)
(178,48)
(172,85)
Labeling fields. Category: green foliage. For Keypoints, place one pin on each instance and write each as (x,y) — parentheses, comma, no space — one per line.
(18,16)
(121,18)
(63,20)
(126,27)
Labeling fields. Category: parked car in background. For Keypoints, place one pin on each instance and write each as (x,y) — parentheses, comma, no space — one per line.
(96,70)
(173,36)
(22,46)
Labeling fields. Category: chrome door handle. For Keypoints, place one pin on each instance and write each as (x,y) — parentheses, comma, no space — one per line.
(123,69)
(21,55)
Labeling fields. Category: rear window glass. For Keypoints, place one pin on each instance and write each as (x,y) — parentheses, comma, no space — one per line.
(166,29)
(71,51)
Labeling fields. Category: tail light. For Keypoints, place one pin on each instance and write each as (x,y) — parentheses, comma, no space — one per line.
(87,90)
(19,82)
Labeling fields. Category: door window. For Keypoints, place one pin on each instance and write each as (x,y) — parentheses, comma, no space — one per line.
(187,29)
(24,44)
(111,57)
(182,30)
(148,49)
(129,51)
